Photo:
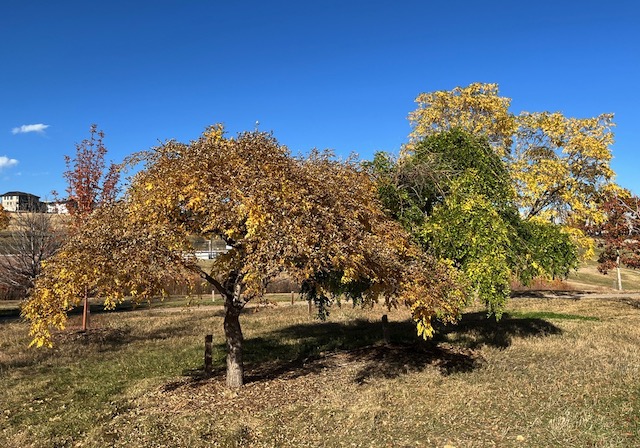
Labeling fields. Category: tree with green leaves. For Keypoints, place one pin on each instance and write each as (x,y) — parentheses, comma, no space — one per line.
(560,165)
(455,195)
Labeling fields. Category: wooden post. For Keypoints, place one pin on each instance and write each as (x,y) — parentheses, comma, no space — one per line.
(85,310)
(208,340)
(385,329)
(618,272)
(291,297)
(310,307)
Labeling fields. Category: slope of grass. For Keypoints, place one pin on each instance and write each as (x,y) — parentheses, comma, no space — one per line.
(588,275)
(552,372)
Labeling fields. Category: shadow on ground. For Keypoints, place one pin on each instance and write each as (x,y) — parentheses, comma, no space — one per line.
(9,314)
(305,349)
(476,329)
(549,294)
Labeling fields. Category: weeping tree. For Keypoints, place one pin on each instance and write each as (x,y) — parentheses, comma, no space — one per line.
(315,218)
(455,195)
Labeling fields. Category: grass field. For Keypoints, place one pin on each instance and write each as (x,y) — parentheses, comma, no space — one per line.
(553,372)
(588,275)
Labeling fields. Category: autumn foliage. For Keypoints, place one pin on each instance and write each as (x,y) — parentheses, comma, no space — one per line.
(455,195)
(560,166)
(478,196)
(620,233)
(476,109)
(90,183)
(109,257)
(316,218)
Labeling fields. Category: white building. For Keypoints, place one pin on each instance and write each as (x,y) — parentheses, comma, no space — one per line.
(18,201)
(59,207)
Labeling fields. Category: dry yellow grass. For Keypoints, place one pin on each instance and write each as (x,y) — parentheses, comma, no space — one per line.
(589,277)
(568,378)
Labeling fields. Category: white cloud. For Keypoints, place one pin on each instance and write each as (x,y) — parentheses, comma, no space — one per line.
(25,128)
(6,162)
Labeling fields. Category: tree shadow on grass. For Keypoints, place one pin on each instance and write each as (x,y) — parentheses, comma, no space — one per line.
(305,349)
(548,294)
(9,314)
(476,329)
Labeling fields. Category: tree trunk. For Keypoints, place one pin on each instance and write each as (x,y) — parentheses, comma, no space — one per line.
(231,291)
(233,335)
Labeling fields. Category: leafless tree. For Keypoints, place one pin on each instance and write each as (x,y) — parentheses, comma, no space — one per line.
(33,238)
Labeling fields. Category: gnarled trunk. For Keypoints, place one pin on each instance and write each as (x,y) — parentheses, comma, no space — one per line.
(233,336)
(231,291)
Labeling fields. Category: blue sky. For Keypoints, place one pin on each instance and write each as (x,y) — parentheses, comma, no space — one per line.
(326,74)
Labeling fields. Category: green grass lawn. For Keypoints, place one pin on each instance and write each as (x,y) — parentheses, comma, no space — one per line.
(553,372)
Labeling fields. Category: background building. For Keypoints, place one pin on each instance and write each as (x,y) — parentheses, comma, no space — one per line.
(18,201)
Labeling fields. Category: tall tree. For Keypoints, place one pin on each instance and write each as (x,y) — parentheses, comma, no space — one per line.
(90,185)
(560,165)
(477,109)
(315,218)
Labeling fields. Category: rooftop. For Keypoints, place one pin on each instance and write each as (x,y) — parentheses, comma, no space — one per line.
(19,193)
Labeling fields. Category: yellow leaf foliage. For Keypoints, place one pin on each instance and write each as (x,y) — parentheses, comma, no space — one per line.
(560,165)
(110,257)
(476,109)
(304,216)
